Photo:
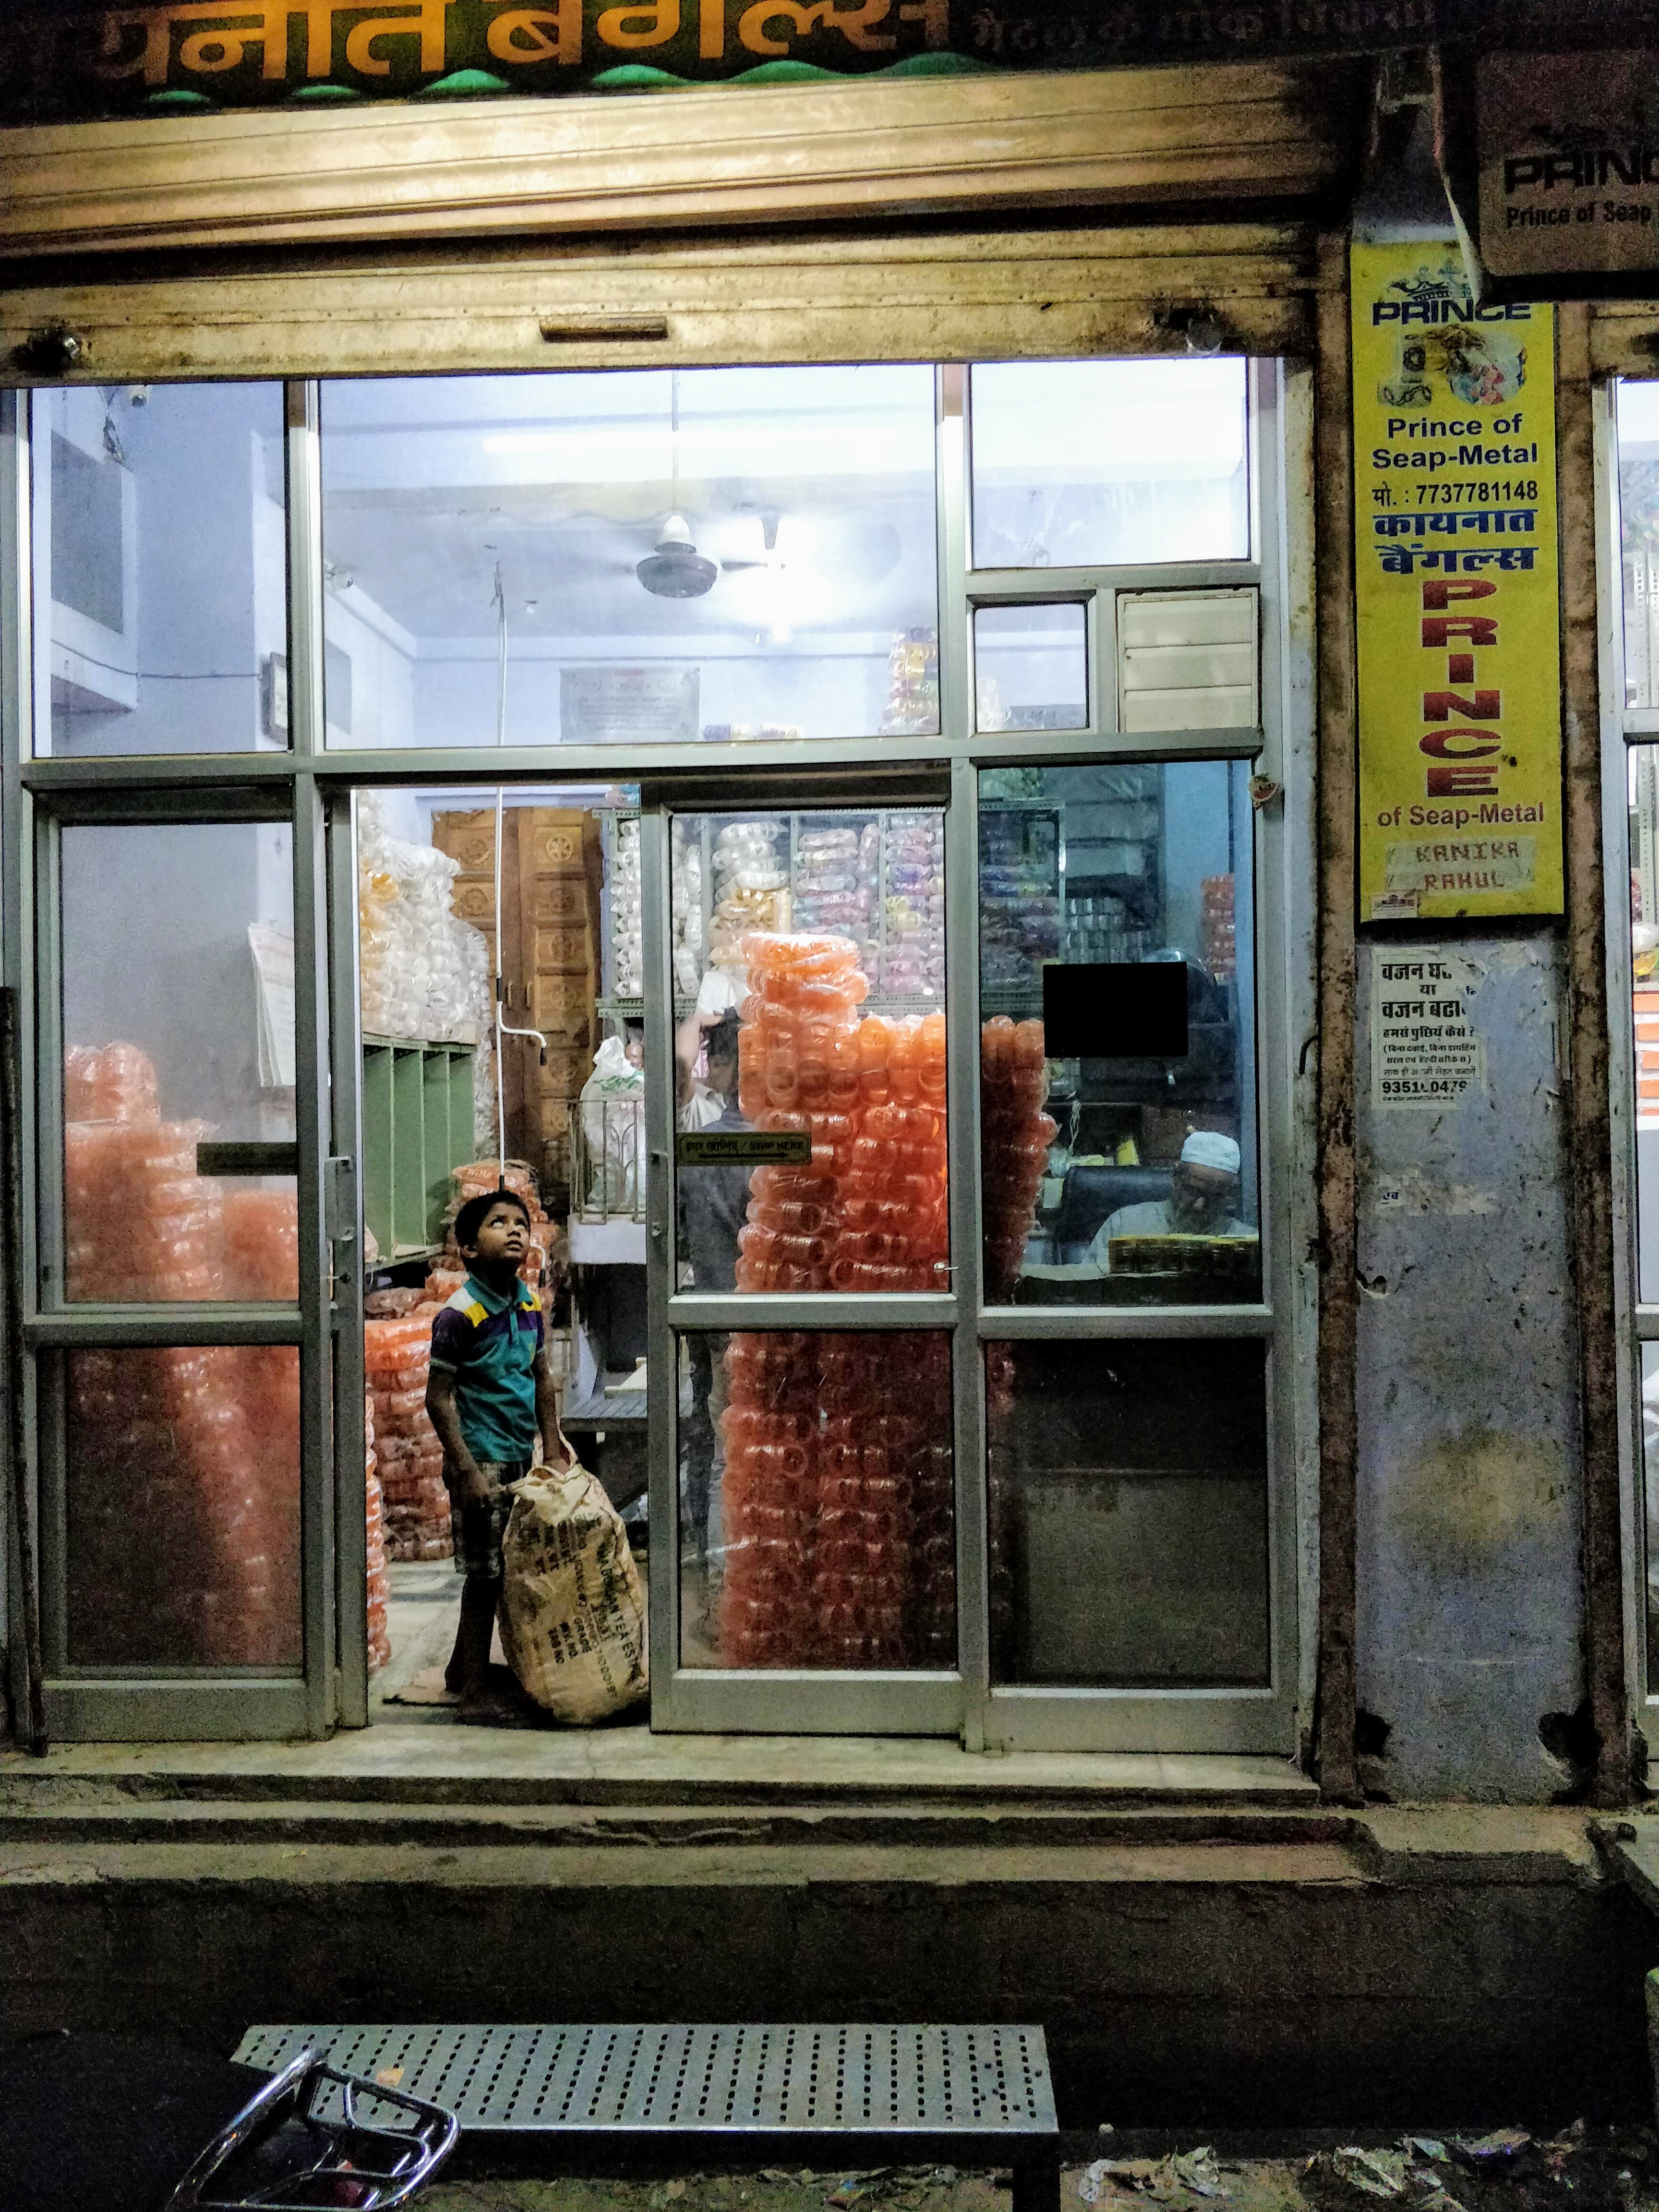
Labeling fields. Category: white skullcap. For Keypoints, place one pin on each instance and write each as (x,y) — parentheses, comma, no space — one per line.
(1207,1148)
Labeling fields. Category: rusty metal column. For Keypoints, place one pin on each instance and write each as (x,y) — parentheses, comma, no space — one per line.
(1338,1293)
(1589,1137)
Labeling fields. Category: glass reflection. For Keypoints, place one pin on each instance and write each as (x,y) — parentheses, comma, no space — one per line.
(670,553)
(1650,1470)
(817,1520)
(1031,668)
(183,1483)
(188,1042)
(1118,1113)
(1128,1513)
(162,570)
(809,952)
(1083,462)
(1638,513)
(1644,1011)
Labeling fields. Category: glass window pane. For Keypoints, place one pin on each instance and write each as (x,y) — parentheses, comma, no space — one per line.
(183,1481)
(162,570)
(1644,963)
(1118,1072)
(1031,668)
(674,554)
(1638,507)
(1650,1462)
(186,1039)
(1128,1513)
(1083,462)
(809,959)
(817,1519)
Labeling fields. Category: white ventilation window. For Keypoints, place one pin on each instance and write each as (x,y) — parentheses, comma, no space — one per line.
(1187,661)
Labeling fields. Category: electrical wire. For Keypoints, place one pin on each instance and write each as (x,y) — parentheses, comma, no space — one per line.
(502,1028)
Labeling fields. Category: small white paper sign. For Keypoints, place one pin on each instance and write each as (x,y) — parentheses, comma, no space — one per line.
(1423,1053)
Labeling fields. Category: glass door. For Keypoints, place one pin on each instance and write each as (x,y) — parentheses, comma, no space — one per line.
(804,1357)
(181,1342)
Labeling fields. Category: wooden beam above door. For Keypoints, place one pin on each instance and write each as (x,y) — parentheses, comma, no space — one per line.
(998,295)
(690,160)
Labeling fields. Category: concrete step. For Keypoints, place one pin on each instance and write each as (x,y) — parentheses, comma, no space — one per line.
(630,1766)
(1222,1966)
(109,1815)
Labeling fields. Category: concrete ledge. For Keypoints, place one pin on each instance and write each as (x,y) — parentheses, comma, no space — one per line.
(1218,1964)
(631,1765)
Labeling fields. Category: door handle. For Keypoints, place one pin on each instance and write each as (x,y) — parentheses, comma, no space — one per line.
(339,1215)
(340,1198)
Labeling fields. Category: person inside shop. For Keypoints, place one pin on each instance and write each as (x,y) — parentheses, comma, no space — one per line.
(700,1101)
(491,1398)
(713,1203)
(1203,1199)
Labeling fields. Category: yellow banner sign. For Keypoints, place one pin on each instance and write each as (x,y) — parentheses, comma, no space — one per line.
(1459,623)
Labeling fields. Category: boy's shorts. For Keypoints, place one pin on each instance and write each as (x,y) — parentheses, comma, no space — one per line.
(477,1530)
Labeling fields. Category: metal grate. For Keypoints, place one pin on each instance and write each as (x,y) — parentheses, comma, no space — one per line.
(705,2079)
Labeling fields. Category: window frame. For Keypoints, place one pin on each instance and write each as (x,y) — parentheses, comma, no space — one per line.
(312,786)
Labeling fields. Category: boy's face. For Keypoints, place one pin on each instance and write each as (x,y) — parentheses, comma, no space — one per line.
(723,1073)
(503,1238)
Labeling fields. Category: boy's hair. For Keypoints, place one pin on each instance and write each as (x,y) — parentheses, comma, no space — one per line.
(473,1215)
(720,1042)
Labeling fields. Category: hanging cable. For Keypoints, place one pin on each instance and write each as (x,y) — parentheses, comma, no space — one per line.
(502,1028)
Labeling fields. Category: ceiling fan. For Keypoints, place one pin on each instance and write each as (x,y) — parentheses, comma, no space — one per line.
(768,521)
(676,570)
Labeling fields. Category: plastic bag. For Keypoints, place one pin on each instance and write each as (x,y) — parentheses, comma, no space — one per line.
(613,1123)
(573,1611)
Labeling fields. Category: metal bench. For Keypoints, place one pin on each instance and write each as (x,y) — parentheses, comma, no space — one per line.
(566,2097)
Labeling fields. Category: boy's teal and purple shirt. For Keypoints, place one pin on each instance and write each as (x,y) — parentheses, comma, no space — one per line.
(489,1343)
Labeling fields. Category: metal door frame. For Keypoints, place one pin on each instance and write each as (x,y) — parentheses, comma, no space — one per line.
(1636,1323)
(724,1700)
(308,784)
(155,1703)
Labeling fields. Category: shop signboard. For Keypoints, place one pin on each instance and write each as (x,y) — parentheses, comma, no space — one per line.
(60,59)
(88,57)
(1457,593)
(1567,201)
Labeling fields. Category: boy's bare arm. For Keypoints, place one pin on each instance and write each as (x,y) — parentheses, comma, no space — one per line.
(441,1410)
(556,1450)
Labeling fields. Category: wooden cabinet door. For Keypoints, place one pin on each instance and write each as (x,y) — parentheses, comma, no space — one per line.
(550,874)
(560,866)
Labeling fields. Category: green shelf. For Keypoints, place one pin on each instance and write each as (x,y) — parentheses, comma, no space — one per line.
(417,1128)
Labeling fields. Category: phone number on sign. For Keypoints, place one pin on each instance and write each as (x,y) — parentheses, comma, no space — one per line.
(1425,1086)
(1478,492)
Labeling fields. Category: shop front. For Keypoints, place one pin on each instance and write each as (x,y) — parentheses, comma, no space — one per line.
(875,796)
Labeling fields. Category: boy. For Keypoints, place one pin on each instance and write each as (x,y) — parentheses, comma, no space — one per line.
(489,1394)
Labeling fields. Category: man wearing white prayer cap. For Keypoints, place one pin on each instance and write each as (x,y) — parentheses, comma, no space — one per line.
(1203,1193)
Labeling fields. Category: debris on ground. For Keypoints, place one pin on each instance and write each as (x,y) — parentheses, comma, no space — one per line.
(858,2188)
(1508,2169)
(1169,2180)
(1336,2177)
(1504,2170)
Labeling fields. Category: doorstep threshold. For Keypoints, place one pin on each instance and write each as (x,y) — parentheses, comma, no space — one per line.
(416,1765)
